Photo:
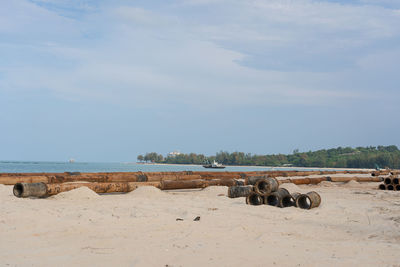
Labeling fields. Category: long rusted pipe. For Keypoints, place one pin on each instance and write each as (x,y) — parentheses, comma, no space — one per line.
(189,184)
(300,181)
(46,190)
(106,177)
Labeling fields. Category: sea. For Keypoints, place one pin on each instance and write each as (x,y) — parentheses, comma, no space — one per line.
(40,166)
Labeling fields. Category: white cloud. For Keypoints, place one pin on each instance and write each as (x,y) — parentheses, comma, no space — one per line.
(259,53)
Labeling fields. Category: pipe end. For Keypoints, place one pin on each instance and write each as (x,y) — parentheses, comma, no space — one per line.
(18,190)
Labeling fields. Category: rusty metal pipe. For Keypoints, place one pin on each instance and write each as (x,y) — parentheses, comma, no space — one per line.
(189,184)
(387,180)
(382,187)
(239,191)
(46,190)
(280,198)
(107,177)
(30,190)
(309,200)
(254,199)
(252,180)
(266,186)
(397,187)
(295,195)
(355,178)
(390,187)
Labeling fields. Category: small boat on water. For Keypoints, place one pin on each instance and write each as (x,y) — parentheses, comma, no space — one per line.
(214,165)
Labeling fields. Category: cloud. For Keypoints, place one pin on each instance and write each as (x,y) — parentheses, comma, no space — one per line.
(235,54)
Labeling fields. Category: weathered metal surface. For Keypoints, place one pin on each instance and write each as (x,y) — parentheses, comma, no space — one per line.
(295,195)
(108,177)
(382,187)
(254,199)
(30,190)
(266,186)
(280,198)
(46,190)
(252,180)
(355,178)
(381,172)
(188,184)
(299,181)
(11,180)
(239,191)
(389,187)
(387,180)
(308,201)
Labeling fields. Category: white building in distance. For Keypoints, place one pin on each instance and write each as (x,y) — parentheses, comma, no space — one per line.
(174,153)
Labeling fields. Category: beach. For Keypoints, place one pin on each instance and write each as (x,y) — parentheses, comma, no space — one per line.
(356,224)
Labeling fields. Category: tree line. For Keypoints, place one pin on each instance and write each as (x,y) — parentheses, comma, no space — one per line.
(341,157)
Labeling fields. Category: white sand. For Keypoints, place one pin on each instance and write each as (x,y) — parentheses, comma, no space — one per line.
(356,225)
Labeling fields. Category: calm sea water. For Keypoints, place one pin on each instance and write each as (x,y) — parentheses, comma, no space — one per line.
(31,166)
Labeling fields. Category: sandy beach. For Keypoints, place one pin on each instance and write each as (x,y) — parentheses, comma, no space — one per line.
(356,225)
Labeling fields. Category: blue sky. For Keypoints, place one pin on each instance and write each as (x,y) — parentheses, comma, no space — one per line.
(108,80)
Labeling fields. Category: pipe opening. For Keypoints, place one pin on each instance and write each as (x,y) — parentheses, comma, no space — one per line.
(390,187)
(397,187)
(272,200)
(255,199)
(287,201)
(304,202)
(18,189)
(382,187)
(395,180)
(388,180)
(262,186)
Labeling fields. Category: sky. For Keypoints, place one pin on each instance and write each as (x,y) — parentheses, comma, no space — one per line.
(109,80)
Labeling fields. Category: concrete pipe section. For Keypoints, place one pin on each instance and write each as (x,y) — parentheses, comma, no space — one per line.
(239,191)
(266,186)
(254,199)
(30,190)
(387,180)
(280,198)
(308,201)
(295,195)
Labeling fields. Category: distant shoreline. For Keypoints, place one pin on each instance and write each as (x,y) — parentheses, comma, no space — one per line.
(250,166)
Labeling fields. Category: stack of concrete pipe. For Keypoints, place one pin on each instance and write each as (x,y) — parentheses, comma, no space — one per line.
(391,183)
(265,190)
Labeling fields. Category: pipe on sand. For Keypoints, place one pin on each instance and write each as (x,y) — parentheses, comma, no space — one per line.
(239,191)
(266,186)
(254,199)
(280,198)
(308,201)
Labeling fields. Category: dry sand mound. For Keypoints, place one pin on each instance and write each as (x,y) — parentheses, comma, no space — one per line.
(146,191)
(351,184)
(81,193)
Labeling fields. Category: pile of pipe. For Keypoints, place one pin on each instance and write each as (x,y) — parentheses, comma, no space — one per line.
(261,190)
(48,184)
(390,183)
